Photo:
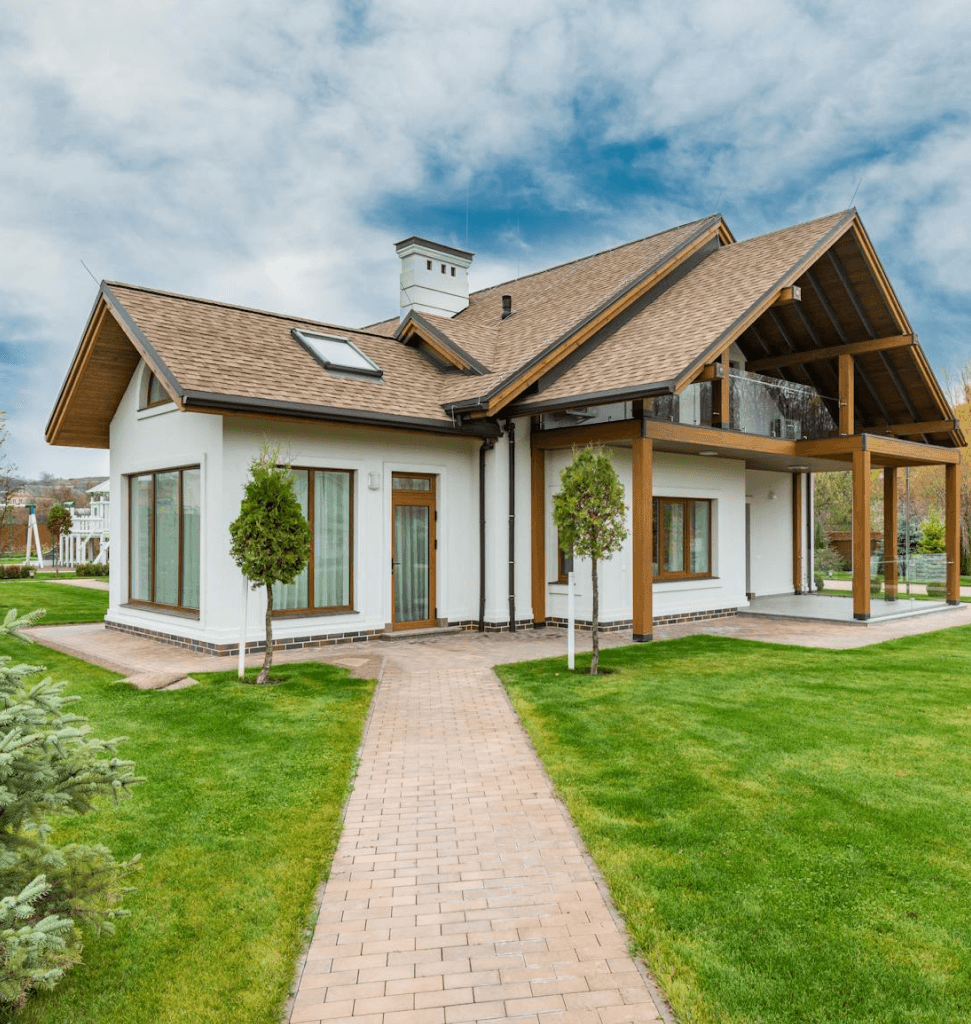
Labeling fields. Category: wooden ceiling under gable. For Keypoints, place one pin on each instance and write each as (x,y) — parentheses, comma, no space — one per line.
(846,300)
(103,366)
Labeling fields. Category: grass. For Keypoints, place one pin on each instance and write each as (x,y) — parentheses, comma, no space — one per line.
(842,575)
(236,824)
(63,604)
(786,831)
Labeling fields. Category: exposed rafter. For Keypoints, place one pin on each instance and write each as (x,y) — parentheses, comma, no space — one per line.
(854,348)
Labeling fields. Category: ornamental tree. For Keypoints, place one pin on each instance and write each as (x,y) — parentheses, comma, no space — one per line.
(590,514)
(59,522)
(271,536)
(50,896)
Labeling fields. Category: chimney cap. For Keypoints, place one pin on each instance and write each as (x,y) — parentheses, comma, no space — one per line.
(437,246)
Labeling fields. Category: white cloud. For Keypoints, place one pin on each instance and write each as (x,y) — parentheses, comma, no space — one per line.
(242,151)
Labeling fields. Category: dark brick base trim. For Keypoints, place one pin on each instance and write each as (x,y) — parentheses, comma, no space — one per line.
(253,647)
(618,626)
(715,613)
(472,625)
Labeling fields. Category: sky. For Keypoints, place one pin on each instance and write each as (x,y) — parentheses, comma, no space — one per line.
(271,153)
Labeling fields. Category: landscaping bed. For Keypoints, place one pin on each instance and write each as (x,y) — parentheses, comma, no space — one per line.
(786,831)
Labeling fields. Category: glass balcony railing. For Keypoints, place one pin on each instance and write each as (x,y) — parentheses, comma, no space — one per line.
(758,405)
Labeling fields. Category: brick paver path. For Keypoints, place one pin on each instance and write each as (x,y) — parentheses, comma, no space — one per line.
(459,890)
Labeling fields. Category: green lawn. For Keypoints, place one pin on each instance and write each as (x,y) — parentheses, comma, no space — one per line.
(786,831)
(236,824)
(63,603)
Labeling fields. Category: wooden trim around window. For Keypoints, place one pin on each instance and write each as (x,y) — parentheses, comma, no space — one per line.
(311,608)
(657,508)
(154,474)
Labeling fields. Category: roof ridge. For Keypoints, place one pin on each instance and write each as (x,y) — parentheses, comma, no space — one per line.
(600,252)
(245,309)
(791,227)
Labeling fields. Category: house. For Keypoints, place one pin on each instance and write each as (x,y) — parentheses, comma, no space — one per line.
(427,448)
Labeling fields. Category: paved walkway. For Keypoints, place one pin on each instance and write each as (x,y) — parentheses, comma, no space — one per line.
(460,891)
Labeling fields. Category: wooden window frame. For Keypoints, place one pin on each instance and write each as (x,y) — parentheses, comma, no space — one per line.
(165,400)
(660,575)
(561,556)
(313,609)
(179,608)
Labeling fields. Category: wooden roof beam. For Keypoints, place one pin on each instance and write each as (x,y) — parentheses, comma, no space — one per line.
(787,296)
(854,348)
(838,327)
(837,265)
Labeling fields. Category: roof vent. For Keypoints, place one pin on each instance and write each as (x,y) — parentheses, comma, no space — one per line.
(506,306)
(434,277)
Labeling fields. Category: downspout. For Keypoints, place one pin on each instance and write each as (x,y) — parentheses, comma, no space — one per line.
(487,445)
(511,433)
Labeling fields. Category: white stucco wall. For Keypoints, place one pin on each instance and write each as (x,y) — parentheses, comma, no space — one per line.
(156,439)
(453,461)
(770,498)
(675,476)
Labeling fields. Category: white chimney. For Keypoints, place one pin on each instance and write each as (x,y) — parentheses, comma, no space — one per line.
(434,278)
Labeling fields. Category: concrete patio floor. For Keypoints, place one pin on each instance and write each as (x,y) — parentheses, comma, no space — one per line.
(460,890)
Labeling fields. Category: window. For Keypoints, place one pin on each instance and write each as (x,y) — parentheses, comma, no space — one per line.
(682,538)
(326,585)
(152,392)
(428,264)
(453,271)
(164,519)
(334,352)
(562,573)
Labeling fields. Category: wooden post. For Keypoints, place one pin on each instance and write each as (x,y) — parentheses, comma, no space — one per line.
(797,532)
(952,527)
(537,493)
(720,391)
(642,514)
(847,410)
(890,531)
(861,534)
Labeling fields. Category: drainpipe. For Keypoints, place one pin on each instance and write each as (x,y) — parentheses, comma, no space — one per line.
(487,445)
(511,434)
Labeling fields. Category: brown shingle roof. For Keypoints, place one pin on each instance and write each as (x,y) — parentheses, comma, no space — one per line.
(232,351)
(670,334)
(549,305)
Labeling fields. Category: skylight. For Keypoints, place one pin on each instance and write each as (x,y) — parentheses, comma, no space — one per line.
(337,354)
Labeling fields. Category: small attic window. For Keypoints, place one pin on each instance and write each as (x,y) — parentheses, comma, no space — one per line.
(428,264)
(337,354)
(154,394)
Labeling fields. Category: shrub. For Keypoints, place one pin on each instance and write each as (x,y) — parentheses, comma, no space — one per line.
(936,588)
(91,569)
(876,585)
(50,895)
(16,572)
(820,582)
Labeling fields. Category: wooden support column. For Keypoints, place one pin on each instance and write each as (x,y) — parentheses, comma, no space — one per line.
(861,534)
(890,532)
(642,515)
(847,404)
(537,496)
(952,530)
(720,391)
(797,528)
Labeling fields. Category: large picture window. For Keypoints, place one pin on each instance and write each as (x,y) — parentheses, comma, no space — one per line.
(682,538)
(326,585)
(164,517)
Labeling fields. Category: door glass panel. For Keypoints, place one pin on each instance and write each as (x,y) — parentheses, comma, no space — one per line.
(290,596)
(672,528)
(141,538)
(411,571)
(411,483)
(167,538)
(700,556)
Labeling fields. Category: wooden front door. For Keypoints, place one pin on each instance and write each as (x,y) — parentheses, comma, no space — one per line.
(413,546)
